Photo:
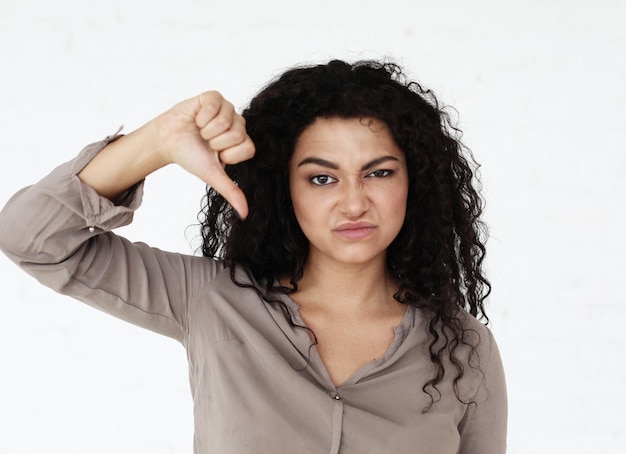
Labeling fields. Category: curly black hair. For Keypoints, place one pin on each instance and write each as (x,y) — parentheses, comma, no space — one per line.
(437,257)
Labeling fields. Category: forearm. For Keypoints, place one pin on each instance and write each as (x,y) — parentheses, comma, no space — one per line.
(123,163)
(46,222)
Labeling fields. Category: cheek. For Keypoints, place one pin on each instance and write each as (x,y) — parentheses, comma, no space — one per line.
(308,219)
(403,200)
(300,213)
(297,196)
(304,207)
(395,208)
(309,212)
(393,200)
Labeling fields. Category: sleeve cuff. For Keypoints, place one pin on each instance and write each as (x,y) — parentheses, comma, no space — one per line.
(99,212)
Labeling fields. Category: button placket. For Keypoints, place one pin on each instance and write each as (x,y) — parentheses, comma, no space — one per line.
(337,420)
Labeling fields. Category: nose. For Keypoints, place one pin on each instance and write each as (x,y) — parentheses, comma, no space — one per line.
(354,200)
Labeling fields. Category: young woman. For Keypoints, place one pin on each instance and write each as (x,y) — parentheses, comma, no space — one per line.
(335,308)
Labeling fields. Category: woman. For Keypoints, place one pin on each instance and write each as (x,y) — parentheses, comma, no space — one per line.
(335,307)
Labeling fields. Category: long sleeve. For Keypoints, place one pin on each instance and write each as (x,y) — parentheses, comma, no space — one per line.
(59,231)
(484,426)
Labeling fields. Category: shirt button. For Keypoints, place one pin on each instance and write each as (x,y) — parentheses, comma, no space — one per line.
(336,395)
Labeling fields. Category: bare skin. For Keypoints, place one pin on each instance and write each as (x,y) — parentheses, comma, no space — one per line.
(353,324)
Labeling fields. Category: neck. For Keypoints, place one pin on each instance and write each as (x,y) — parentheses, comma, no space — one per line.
(346,288)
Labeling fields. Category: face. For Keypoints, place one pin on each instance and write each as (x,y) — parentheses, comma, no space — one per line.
(348,182)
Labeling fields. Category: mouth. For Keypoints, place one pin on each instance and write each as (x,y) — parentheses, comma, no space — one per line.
(355,230)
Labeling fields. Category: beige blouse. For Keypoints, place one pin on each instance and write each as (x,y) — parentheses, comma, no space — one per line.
(258,385)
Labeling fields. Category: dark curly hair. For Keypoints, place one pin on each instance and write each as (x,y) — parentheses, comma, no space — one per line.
(437,256)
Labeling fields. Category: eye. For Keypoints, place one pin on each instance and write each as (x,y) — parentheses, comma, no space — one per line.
(322,180)
(380,173)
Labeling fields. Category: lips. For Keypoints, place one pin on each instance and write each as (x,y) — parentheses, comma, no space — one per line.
(355,230)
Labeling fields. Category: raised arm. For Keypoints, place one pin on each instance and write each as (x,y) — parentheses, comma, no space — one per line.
(59,229)
(201,134)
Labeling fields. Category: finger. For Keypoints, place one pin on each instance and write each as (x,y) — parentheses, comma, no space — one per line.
(228,139)
(220,123)
(238,153)
(232,137)
(210,103)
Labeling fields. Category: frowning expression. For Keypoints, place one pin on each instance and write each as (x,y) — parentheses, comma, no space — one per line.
(348,182)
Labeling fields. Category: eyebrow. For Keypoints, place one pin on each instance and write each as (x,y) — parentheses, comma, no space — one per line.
(332,165)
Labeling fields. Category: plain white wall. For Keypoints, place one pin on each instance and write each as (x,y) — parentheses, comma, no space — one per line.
(539,86)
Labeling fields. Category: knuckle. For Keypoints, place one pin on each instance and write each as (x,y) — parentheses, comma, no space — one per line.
(210,101)
(214,144)
(250,147)
(213,96)
(238,136)
(226,158)
(205,133)
(223,122)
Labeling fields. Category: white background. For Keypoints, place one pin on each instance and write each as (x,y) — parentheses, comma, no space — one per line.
(540,90)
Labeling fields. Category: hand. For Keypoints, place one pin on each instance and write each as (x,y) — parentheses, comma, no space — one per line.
(202,135)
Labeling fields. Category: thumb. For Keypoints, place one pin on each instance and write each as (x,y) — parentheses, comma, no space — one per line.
(222,183)
(197,157)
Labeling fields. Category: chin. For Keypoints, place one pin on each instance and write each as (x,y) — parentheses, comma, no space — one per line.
(358,259)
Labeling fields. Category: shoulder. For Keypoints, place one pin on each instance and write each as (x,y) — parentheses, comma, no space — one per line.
(483,427)
(477,333)
(483,357)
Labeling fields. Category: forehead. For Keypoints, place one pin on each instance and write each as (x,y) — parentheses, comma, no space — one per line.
(346,137)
